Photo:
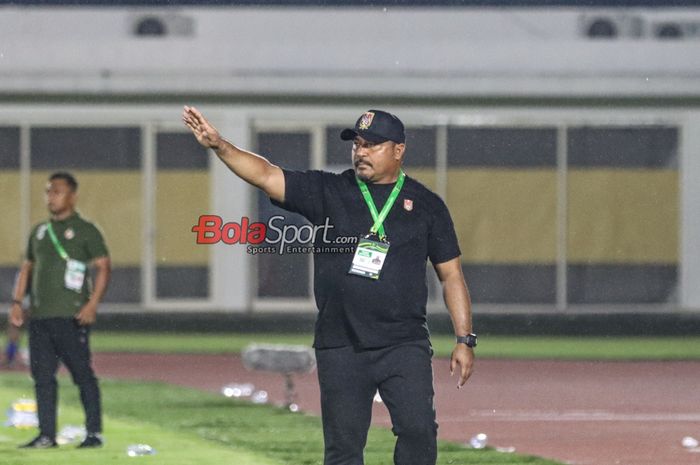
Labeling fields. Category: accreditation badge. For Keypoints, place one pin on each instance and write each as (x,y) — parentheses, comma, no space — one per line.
(75,275)
(369,258)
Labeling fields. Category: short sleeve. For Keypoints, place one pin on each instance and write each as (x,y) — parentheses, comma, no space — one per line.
(442,239)
(30,251)
(303,194)
(95,243)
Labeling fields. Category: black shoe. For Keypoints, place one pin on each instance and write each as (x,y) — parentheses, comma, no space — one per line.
(40,442)
(91,440)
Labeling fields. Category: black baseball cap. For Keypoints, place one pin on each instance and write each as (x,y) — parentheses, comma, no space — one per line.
(376,126)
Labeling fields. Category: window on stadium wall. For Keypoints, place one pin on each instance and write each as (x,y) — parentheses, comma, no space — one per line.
(501,191)
(283,275)
(107,164)
(181,195)
(501,188)
(623,210)
(12,242)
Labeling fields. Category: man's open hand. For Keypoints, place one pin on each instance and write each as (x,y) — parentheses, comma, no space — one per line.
(206,134)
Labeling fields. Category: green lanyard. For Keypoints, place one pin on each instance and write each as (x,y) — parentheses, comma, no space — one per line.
(378,226)
(59,248)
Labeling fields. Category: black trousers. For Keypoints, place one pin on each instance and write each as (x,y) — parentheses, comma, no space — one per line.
(348,380)
(51,340)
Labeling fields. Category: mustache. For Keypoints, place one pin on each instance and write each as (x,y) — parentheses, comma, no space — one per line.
(357,163)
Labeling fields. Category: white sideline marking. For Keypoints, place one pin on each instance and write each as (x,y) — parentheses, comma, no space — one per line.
(573,415)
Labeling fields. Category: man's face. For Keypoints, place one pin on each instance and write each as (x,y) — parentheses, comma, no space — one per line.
(59,196)
(376,162)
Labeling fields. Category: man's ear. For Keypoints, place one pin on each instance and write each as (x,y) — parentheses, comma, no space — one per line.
(399,151)
(73,198)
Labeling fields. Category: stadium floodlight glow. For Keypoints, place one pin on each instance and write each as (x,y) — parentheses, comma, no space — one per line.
(602,28)
(612,25)
(151,26)
(160,24)
(668,31)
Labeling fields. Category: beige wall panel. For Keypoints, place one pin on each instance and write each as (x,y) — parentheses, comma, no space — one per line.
(425,176)
(623,216)
(111,199)
(12,245)
(503,215)
(181,197)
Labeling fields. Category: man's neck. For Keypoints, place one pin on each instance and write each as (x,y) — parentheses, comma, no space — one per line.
(62,215)
(389,179)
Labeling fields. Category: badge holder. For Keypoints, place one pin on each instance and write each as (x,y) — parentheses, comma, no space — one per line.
(74,276)
(369,258)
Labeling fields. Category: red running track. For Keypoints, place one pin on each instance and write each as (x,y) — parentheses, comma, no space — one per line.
(587,413)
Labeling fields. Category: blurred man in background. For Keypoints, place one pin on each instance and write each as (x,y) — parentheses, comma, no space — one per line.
(13,334)
(63,306)
(12,345)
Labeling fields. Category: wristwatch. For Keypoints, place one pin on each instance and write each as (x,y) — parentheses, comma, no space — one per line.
(469,340)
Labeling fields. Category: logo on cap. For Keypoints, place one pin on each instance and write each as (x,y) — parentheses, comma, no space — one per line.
(366,121)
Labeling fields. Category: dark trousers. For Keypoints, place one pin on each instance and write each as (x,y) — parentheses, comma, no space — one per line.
(51,340)
(348,380)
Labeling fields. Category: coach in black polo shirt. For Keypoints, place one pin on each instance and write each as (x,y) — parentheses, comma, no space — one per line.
(371,332)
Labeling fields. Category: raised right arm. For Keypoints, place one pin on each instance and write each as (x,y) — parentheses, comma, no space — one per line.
(250,167)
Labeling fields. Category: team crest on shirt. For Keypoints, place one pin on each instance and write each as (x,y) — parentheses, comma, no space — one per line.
(69,234)
(366,120)
(408,204)
(41,232)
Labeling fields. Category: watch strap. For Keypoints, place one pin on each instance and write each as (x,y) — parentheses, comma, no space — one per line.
(470,340)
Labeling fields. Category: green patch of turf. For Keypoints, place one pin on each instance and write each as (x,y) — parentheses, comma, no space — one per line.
(188,343)
(504,347)
(172,447)
(587,348)
(192,427)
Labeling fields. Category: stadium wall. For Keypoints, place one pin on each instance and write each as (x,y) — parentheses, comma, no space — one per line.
(569,163)
(351,51)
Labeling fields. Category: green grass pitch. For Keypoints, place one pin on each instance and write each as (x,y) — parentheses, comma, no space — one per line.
(190,427)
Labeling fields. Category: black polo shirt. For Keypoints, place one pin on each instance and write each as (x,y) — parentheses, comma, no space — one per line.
(358,311)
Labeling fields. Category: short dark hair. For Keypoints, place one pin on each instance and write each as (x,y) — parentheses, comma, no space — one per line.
(69,178)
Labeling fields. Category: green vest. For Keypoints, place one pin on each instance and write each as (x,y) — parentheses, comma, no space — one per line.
(82,241)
